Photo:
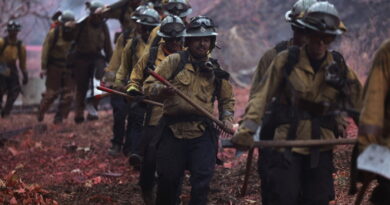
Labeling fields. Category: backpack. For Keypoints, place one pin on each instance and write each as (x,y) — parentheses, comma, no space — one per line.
(55,38)
(133,48)
(218,72)
(4,68)
(284,114)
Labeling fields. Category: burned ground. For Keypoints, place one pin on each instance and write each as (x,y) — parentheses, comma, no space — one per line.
(69,164)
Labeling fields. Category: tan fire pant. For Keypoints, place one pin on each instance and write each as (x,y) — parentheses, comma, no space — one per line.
(59,83)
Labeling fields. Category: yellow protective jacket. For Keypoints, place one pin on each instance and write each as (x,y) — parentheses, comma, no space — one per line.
(375,116)
(152,37)
(91,39)
(138,77)
(12,54)
(264,63)
(303,84)
(55,49)
(129,59)
(198,87)
(116,59)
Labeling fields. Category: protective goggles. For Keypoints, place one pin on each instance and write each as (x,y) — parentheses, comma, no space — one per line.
(323,22)
(326,38)
(198,22)
(172,28)
(13,28)
(147,19)
(176,8)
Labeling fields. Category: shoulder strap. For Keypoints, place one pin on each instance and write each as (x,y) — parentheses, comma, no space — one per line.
(219,76)
(218,72)
(155,42)
(152,57)
(19,46)
(126,36)
(281,46)
(82,26)
(183,61)
(339,59)
(292,60)
(133,48)
(4,46)
(55,38)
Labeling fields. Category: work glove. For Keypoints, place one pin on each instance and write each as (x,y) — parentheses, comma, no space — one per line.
(342,124)
(167,91)
(25,77)
(228,124)
(243,138)
(134,91)
(109,77)
(119,85)
(161,91)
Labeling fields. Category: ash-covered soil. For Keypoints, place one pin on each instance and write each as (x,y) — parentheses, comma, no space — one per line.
(69,164)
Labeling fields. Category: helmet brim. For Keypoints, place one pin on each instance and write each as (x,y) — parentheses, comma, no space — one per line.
(181,15)
(287,16)
(147,24)
(201,34)
(182,34)
(336,32)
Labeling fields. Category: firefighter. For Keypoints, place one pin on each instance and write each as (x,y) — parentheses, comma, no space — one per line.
(312,85)
(118,103)
(85,58)
(188,140)
(121,10)
(298,39)
(12,51)
(375,116)
(180,8)
(172,31)
(134,49)
(59,82)
(120,43)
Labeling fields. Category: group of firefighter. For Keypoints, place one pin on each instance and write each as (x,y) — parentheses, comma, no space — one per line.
(162,63)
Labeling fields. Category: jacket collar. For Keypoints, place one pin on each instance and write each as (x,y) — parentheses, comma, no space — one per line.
(304,62)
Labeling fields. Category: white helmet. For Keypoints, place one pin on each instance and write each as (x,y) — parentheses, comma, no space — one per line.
(149,17)
(181,8)
(298,11)
(323,17)
(66,16)
(172,27)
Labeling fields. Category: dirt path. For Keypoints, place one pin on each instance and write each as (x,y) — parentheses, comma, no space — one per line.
(70,161)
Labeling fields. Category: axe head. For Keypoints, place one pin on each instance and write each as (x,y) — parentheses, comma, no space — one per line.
(375,159)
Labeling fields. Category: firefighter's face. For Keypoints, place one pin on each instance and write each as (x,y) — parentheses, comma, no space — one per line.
(13,33)
(174,45)
(299,36)
(96,19)
(318,44)
(145,31)
(199,46)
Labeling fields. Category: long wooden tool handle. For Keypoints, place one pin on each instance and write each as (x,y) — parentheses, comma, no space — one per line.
(186,98)
(295,143)
(247,172)
(360,195)
(105,89)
